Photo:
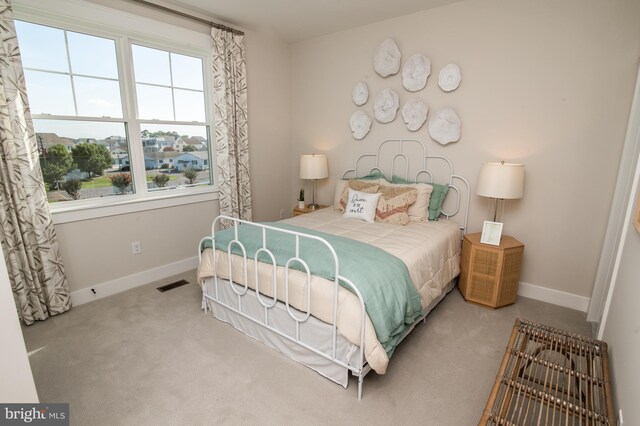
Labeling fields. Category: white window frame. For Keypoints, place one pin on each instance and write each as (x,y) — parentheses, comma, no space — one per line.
(126,29)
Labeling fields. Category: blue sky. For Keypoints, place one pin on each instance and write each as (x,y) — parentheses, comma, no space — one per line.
(169,86)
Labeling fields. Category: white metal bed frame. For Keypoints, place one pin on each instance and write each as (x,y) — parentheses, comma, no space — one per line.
(361,368)
(358,371)
(401,154)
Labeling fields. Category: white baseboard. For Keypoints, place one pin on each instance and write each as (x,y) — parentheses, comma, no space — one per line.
(80,297)
(555,297)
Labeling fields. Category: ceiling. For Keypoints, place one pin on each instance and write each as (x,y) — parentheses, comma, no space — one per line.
(297,20)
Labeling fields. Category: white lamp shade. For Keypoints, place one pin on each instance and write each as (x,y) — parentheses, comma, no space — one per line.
(313,166)
(501,180)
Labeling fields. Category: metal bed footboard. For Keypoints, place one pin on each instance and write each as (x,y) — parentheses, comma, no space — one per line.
(361,368)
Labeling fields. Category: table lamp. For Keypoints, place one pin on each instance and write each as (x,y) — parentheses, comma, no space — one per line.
(313,167)
(500,181)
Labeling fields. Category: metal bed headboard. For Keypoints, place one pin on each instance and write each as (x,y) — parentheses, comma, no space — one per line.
(457,184)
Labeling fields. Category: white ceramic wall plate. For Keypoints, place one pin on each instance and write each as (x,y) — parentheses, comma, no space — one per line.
(415,72)
(385,106)
(386,59)
(449,77)
(444,126)
(414,113)
(360,94)
(360,124)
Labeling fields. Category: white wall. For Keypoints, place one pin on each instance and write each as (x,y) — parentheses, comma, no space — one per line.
(622,329)
(623,195)
(16,380)
(99,250)
(269,73)
(620,324)
(545,83)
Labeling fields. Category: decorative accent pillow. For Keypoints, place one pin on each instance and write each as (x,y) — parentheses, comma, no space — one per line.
(341,185)
(418,211)
(361,205)
(438,195)
(374,175)
(394,203)
(368,186)
(437,199)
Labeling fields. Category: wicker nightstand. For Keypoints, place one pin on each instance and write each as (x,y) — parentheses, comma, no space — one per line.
(489,275)
(298,211)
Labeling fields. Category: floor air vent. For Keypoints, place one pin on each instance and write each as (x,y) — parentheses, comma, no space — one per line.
(172,285)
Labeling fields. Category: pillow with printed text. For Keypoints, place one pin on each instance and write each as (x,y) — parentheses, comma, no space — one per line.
(361,205)
(357,185)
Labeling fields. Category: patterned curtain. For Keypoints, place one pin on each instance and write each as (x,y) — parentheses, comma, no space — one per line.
(27,236)
(232,142)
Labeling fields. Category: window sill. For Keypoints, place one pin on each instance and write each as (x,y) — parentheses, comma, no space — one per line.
(123,204)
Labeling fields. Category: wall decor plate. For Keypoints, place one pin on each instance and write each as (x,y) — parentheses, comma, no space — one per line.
(360,124)
(385,106)
(414,113)
(444,126)
(449,77)
(386,59)
(360,94)
(415,72)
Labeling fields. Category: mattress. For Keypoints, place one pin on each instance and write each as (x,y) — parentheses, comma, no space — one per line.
(429,249)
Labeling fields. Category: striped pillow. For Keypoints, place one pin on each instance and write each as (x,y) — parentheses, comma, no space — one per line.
(418,211)
(394,203)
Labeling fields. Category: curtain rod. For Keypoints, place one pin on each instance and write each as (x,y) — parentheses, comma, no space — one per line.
(186,15)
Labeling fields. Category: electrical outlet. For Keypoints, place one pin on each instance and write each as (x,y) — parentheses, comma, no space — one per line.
(136,247)
(282,214)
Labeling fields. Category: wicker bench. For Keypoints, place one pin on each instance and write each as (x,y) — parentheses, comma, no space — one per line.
(551,377)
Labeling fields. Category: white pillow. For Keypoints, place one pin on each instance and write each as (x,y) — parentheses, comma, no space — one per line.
(361,205)
(418,211)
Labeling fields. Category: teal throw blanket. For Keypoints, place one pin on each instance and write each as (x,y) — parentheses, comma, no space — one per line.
(391,300)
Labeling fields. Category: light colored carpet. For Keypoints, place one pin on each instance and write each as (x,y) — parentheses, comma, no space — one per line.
(148,358)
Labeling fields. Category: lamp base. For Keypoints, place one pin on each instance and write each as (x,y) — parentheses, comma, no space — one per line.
(495,210)
(313,206)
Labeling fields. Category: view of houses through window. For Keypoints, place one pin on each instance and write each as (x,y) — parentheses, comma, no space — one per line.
(81,122)
(175,156)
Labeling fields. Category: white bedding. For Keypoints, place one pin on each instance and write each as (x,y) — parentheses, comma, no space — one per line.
(429,249)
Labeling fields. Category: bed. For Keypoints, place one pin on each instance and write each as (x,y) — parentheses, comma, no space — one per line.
(334,293)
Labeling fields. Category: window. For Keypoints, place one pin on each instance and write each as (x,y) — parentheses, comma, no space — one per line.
(88,128)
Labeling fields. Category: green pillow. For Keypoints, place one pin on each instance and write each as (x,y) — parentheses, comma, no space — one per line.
(437,198)
(438,194)
(398,179)
(373,176)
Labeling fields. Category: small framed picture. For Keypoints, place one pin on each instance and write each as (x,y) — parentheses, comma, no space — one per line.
(491,233)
